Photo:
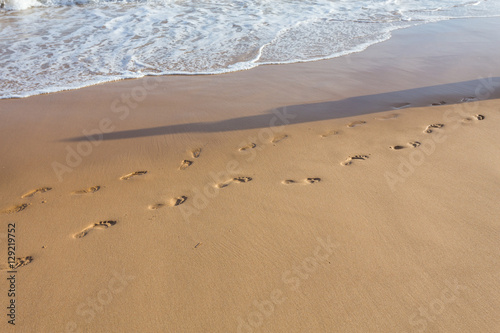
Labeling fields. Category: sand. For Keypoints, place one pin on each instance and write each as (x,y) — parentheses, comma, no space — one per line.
(357,194)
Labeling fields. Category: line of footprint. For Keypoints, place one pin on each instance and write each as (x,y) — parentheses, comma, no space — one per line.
(413,144)
(195,153)
(101,225)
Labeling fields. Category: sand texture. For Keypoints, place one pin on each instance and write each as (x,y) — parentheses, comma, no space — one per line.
(357,194)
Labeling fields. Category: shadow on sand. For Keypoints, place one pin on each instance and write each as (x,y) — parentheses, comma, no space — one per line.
(452,93)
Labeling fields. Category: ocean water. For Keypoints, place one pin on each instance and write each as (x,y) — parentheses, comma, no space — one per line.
(54,45)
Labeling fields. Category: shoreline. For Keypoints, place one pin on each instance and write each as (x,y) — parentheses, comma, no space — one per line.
(359,49)
(355,194)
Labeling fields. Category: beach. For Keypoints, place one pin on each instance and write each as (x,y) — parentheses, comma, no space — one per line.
(354,194)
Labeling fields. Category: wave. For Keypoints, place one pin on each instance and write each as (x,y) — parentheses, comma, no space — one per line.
(55,45)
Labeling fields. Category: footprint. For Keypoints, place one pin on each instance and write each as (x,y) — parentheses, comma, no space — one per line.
(472,118)
(247,147)
(185,164)
(429,128)
(390,116)
(98,225)
(179,200)
(413,144)
(38,190)
(279,138)
(305,181)
(133,174)
(234,180)
(330,134)
(19,262)
(439,103)
(15,209)
(196,152)
(156,206)
(242,179)
(92,189)
(356,123)
(350,159)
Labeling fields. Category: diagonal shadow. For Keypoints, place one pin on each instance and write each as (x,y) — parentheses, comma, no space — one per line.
(304,113)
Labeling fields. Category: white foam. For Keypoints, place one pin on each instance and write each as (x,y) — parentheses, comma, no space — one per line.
(55,45)
(19,4)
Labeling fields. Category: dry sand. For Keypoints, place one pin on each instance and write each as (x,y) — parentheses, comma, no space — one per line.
(319,197)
